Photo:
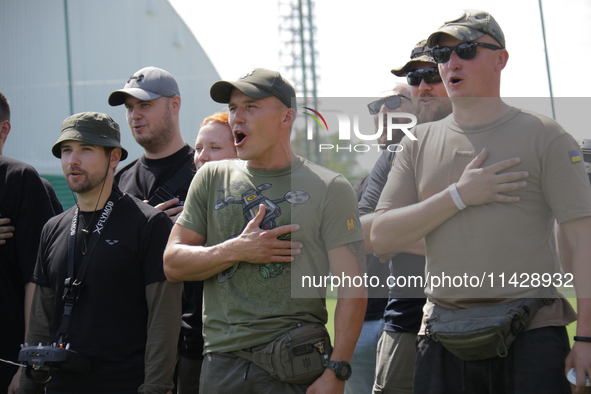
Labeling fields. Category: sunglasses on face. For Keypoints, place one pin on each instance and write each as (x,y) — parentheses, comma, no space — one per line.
(465,50)
(392,102)
(429,74)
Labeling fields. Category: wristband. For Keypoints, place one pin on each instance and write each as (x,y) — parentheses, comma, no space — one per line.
(453,190)
(582,339)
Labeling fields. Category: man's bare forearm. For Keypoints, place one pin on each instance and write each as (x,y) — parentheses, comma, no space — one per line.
(186,257)
(396,229)
(417,248)
(366,223)
(578,232)
(352,301)
(196,262)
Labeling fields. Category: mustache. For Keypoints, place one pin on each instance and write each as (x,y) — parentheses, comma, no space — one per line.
(75,169)
(425,94)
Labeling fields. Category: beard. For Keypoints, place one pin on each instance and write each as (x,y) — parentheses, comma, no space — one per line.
(431,113)
(90,181)
(160,134)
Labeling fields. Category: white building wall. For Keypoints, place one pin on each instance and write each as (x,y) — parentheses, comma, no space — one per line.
(109,41)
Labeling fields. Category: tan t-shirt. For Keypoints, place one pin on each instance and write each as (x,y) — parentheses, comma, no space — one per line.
(493,239)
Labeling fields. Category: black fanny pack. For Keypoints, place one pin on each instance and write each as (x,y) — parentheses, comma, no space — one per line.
(488,331)
(299,356)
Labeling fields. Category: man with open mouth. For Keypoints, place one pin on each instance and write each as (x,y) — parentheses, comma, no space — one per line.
(484,187)
(252,229)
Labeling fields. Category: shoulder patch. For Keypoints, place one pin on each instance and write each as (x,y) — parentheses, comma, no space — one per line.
(575,156)
(352,223)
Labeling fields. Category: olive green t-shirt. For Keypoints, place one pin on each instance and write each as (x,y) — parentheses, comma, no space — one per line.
(252,304)
(495,238)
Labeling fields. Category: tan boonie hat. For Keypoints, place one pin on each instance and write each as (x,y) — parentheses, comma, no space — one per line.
(91,128)
(471,25)
(420,53)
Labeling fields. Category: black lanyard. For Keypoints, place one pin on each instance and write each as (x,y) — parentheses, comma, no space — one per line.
(72,286)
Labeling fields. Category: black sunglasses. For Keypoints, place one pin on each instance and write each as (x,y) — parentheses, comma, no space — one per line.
(392,102)
(465,50)
(429,74)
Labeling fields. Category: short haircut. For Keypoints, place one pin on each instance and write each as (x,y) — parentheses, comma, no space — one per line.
(4,108)
(108,150)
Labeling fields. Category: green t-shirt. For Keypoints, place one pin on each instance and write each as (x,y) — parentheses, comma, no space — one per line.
(252,304)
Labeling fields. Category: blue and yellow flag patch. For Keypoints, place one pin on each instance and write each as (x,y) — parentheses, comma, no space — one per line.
(575,156)
(353,223)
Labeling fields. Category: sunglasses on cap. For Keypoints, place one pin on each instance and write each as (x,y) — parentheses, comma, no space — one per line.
(392,102)
(465,50)
(429,74)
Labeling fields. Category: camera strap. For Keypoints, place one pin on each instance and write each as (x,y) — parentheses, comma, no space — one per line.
(167,191)
(72,286)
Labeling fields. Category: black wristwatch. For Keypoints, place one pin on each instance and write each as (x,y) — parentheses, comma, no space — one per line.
(341,368)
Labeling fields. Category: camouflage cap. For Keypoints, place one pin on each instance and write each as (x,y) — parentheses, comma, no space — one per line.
(91,128)
(420,53)
(471,25)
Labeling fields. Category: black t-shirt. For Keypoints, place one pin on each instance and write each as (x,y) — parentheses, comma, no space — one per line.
(140,179)
(143,176)
(402,314)
(55,202)
(109,319)
(24,201)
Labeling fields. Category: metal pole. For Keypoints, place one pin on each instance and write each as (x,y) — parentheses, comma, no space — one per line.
(547,60)
(313,69)
(303,59)
(69,59)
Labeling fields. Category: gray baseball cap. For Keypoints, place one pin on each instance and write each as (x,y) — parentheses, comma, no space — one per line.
(471,25)
(258,83)
(147,84)
(420,53)
(91,128)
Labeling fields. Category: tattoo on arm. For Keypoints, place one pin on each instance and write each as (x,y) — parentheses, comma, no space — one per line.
(357,249)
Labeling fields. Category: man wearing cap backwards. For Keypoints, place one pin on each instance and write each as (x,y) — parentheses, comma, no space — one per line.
(484,187)
(240,209)
(152,101)
(403,312)
(125,316)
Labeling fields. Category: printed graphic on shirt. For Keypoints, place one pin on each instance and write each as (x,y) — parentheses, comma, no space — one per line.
(250,201)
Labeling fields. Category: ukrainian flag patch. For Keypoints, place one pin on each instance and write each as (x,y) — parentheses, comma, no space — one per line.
(575,156)
(353,223)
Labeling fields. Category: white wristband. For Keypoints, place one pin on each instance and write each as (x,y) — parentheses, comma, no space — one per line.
(453,190)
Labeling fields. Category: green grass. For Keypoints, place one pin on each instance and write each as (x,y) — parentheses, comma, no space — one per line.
(572,328)
(331,303)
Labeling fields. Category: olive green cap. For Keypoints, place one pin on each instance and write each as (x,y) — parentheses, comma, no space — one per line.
(258,83)
(91,128)
(471,25)
(420,53)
